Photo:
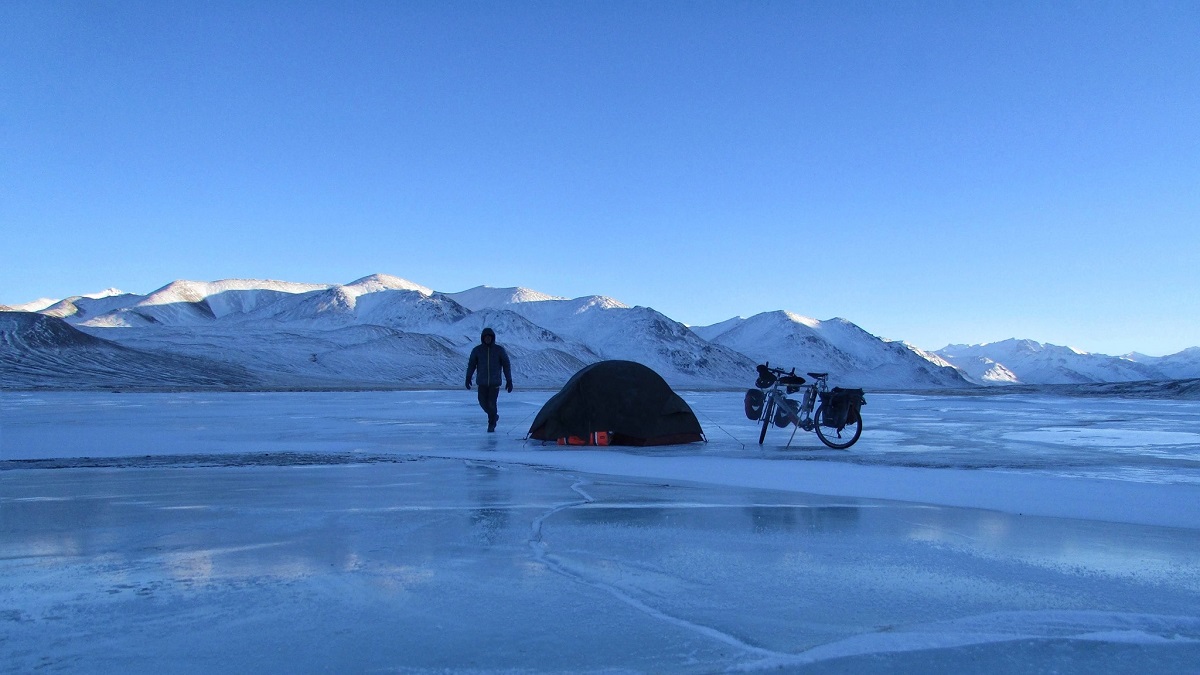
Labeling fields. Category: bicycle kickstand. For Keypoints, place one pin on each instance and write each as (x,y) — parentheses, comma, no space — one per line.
(795,428)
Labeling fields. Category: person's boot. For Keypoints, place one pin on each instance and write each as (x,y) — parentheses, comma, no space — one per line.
(492,423)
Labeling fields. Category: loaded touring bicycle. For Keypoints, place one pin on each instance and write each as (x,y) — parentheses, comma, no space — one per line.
(837,419)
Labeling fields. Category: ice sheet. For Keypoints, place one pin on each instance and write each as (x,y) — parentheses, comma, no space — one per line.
(303,532)
(1022,454)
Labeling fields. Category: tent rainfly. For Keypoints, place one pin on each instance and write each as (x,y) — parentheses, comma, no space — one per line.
(629,402)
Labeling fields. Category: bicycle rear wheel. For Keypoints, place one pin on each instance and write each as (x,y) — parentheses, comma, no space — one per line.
(838,440)
(768,414)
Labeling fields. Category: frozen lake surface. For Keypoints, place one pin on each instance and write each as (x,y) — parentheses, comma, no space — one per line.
(386,532)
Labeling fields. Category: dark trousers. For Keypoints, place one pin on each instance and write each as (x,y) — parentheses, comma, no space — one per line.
(487,401)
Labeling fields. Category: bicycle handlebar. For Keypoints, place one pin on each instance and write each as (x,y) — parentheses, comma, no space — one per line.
(777,371)
(765,370)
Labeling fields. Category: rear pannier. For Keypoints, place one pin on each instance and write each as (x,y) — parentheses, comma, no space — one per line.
(841,407)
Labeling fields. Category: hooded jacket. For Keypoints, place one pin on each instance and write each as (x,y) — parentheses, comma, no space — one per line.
(490,360)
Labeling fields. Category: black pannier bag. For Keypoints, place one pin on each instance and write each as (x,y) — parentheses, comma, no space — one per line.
(754,403)
(765,377)
(782,419)
(857,401)
(841,407)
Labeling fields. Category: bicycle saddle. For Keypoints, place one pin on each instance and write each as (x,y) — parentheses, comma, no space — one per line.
(818,376)
(793,380)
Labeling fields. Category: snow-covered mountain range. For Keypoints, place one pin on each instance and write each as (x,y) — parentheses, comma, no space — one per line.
(384,331)
(1028,362)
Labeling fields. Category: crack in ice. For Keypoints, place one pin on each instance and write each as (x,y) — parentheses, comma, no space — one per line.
(540,553)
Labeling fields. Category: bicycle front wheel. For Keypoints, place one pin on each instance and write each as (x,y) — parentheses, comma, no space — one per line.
(831,436)
(768,413)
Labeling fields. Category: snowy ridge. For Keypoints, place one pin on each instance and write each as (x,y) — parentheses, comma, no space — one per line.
(851,356)
(378,331)
(1028,362)
(486,297)
(37,351)
(385,331)
(983,370)
(31,306)
(613,330)
(543,355)
(1182,365)
(340,306)
(68,304)
(384,282)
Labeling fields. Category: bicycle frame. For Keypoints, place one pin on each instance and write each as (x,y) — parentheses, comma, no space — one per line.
(777,402)
(808,414)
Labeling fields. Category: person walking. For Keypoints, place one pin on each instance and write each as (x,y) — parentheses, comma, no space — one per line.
(490,359)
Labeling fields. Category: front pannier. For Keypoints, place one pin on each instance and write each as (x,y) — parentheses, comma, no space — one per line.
(784,417)
(841,407)
(754,403)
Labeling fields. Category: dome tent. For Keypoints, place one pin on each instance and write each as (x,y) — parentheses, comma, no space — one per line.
(630,401)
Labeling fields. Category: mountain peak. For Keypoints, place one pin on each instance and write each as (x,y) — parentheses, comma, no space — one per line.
(180,290)
(106,293)
(386,282)
(601,301)
(183,290)
(33,306)
(487,297)
(800,319)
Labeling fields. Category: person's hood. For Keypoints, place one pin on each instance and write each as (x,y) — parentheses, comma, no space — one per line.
(486,332)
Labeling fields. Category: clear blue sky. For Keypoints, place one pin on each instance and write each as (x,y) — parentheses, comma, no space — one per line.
(936,172)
